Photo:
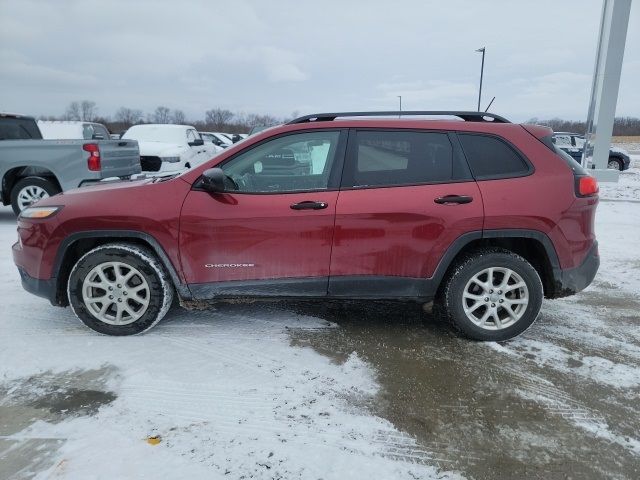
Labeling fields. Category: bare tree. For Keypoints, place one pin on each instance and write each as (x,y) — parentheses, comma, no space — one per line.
(254,120)
(161,115)
(621,125)
(218,118)
(178,117)
(294,114)
(128,116)
(88,111)
(73,111)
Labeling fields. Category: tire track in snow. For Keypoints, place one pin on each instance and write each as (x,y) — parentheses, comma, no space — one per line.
(220,353)
(558,402)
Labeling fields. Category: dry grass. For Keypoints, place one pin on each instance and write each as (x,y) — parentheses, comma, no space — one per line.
(627,139)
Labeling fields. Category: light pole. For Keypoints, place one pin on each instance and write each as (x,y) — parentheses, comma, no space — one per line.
(481,75)
(400,100)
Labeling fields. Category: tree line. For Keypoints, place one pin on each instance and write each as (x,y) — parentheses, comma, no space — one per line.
(215,119)
(622,126)
(223,120)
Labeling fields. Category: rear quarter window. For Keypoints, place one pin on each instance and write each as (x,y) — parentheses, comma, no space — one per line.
(490,157)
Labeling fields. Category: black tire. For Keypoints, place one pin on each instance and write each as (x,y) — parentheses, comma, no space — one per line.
(618,164)
(159,296)
(450,302)
(45,184)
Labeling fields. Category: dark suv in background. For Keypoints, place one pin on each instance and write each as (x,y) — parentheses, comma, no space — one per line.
(482,216)
(573,144)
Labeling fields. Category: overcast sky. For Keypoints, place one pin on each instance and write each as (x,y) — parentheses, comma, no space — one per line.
(282,56)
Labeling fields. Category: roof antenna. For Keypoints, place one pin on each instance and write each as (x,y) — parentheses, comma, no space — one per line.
(487,109)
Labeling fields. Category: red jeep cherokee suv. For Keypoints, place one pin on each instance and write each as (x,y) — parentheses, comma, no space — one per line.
(482,216)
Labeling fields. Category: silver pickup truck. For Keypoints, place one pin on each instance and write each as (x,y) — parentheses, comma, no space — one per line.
(32,168)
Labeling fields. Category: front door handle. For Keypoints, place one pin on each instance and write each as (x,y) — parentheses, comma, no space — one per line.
(309,205)
(449,199)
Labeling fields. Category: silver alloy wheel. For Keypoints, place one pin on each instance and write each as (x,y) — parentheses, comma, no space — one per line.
(116,293)
(613,165)
(495,298)
(29,195)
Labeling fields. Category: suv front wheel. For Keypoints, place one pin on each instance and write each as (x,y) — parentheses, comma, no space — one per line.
(492,294)
(119,289)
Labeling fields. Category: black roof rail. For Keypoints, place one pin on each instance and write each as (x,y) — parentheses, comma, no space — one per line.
(467,116)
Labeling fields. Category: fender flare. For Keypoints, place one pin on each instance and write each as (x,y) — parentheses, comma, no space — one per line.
(182,288)
(463,240)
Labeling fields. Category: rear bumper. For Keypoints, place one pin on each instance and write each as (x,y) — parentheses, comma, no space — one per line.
(573,280)
(41,288)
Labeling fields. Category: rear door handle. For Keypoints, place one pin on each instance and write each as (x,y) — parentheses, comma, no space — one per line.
(448,199)
(309,205)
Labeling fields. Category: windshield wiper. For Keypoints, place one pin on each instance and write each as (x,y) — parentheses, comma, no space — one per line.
(165,177)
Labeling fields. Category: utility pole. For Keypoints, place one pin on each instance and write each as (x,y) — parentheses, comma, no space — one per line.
(481,75)
(604,89)
(400,100)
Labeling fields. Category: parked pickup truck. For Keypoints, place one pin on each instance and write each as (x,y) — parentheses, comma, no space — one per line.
(32,168)
(167,149)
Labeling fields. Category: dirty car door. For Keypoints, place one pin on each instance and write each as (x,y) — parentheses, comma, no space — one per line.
(272,235)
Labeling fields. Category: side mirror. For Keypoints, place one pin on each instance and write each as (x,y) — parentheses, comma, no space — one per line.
(213,180)
(198,142)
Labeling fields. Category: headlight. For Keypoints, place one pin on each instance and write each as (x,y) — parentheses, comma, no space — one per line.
(170,159)
(39,212)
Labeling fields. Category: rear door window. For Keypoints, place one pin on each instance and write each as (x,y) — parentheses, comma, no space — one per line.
(12,128)
(396,158)
(490,157)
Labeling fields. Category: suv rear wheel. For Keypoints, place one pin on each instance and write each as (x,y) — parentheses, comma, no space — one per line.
(614,164)
(119,289)
(492,294)
(29,190)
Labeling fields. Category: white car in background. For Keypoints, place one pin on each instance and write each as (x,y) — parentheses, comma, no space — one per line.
(217,138)
(72,130)
(170,148)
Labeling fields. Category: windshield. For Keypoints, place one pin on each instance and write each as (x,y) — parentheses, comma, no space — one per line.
(156,133)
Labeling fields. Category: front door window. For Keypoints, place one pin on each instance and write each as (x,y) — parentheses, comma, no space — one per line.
(293,163)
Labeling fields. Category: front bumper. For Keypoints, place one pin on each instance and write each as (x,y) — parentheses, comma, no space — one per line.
(573,280)
(41,288)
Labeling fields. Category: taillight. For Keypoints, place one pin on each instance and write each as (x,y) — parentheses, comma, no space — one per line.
(93,162)
(586,186)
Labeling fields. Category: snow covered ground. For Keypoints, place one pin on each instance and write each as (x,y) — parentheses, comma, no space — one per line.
(629,186)
(266,390)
